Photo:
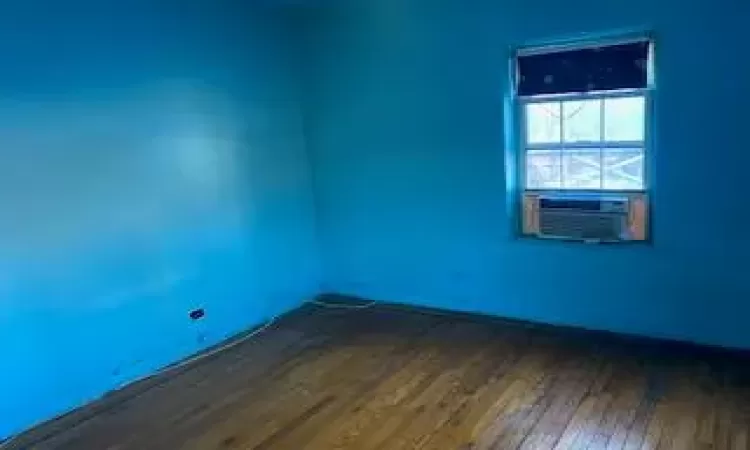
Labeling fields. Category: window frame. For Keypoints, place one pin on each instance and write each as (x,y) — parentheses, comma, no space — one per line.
(519,110)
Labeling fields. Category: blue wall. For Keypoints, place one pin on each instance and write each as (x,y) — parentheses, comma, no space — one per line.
(407,114)
(152,161)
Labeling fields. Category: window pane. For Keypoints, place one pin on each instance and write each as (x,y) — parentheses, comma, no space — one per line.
(623,168)
(543,123)
(624,119)
(543,169)
(582,169)
(582,120)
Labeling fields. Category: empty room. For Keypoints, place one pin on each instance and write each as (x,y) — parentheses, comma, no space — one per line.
(374,224)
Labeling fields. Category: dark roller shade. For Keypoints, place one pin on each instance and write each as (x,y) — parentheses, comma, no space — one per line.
(622,66)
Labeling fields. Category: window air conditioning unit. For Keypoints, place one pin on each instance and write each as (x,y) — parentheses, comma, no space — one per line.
(585,217)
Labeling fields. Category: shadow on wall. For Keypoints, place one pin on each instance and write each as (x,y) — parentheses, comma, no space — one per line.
(73,171)
(151,162)
(408,106)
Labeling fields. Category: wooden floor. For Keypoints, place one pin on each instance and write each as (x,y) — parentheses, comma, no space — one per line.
(384,378)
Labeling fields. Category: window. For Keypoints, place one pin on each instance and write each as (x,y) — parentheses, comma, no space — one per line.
(584,114)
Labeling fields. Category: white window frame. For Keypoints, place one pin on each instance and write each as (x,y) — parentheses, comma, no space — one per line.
(520,104)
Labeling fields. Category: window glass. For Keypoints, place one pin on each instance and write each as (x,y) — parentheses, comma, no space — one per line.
(582,169)
(624,119)
(543,123)
(543,169)
(586,144)
(623,168)
(582,120)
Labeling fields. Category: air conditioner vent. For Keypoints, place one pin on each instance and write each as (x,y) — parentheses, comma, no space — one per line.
(580,225)
(605,218)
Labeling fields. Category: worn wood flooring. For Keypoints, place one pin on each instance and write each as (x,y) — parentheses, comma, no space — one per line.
(390,379)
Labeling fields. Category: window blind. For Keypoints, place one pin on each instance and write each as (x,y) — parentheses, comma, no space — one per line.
(605,68)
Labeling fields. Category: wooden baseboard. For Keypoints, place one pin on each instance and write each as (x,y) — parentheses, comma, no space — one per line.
(111,399)
(668,345)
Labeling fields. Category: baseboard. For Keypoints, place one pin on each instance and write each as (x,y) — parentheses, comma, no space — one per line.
(671,345)
(113,398)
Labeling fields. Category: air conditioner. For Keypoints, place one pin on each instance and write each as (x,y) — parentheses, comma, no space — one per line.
(585,217)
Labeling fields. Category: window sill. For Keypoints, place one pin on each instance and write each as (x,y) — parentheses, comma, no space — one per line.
(583,242)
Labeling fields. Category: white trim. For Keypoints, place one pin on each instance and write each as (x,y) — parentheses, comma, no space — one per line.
(586,145)
(581,45)
(594,95)
(602,132)
(590,191)
(648,141)
(561,123)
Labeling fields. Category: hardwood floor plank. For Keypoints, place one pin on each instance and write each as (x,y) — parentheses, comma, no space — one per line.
(619,416)
(572,374)
(391,379)
(740,440)
(371,415)
(436,405)
(334,371)
(458,432)
(526,385)
(653,432)
(586,380)
(146,411)
(458,334)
